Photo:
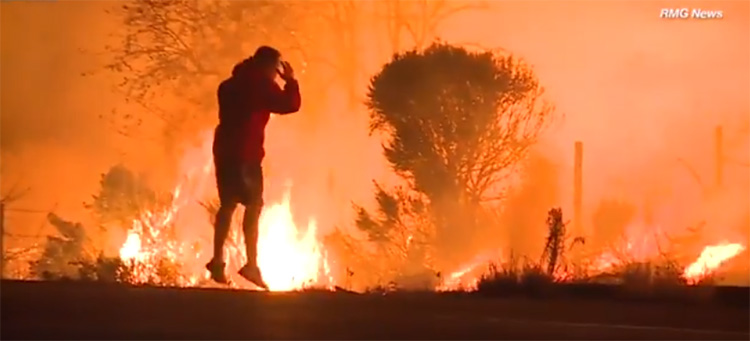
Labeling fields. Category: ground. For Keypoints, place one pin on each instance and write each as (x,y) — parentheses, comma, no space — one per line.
(74,310)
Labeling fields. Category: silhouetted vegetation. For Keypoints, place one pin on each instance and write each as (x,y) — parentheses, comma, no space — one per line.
(174,47)
(62,252)
(660,278)
(458,122)
(72,254)
(122,197)
(105,269)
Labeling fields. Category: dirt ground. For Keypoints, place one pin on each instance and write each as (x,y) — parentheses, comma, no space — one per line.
(74,310)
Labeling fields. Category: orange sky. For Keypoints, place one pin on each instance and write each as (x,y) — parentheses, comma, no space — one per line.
(639,91)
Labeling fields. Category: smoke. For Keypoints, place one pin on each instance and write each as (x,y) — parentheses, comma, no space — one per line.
(643,94)
(54,140)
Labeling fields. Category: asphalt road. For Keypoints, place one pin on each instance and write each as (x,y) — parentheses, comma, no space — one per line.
(46,310)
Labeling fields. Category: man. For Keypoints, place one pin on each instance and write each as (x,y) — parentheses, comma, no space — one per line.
(246,101)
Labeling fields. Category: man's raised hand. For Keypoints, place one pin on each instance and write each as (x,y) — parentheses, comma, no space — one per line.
(286,73)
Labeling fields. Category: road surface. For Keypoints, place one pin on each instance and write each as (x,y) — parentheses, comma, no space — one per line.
(70,310)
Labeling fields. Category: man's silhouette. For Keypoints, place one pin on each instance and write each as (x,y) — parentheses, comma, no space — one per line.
(246,101)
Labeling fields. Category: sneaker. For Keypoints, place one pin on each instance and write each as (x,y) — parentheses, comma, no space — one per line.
(252,274)
(216,269)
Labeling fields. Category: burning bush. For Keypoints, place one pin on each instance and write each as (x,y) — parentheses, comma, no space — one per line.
(458,122)
(122,197)
(399,232)
(514,277)
(105,269)
(655,277)
(61,253)
(534,277)
(121,200)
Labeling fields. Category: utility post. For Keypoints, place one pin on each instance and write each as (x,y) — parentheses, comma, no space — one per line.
(718,157)
(2,237)
(578,194)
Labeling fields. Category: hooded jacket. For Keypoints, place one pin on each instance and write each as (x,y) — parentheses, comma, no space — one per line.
(246,101)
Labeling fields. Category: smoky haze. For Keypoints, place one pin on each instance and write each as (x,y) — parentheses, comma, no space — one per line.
(642,93)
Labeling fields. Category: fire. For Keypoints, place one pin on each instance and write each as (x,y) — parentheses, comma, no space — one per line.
(605,262)
(131,248)
(289,259)
(711,258)
(455,280)
(467,276)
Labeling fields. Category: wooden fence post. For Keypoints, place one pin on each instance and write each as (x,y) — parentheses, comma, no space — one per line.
(578,192)
(2,238)
(718,156)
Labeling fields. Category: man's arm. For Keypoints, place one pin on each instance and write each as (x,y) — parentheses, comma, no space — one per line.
(286,101)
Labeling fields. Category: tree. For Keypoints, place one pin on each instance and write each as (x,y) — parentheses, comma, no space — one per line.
(183,48)
(458,121)
(122,197)
(343,21)
(418,20)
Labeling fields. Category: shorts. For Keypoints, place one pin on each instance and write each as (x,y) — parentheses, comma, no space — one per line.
(239,184)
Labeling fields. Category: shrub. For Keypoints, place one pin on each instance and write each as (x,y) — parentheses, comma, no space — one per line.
(499,279)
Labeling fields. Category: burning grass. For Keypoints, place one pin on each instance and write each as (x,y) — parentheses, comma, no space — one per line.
(633,273)
(659,278)
(162,248)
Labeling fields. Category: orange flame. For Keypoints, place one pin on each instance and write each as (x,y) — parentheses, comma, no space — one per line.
(131,248)
(467,276)
(288,259)
(291,258)
(712,257)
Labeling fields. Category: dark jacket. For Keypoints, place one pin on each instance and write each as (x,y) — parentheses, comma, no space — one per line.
(246,101)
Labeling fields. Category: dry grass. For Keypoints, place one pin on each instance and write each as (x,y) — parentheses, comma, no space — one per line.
(113,269)
(513,278)
(658,280)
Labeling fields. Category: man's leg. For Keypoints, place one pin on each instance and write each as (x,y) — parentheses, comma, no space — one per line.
(222,224)
(226,181)
(253,179)
(250,227)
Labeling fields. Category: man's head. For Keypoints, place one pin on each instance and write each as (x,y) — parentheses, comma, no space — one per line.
(267,59)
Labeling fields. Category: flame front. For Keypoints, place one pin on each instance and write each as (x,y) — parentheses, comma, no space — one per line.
(288,258)
(131,248)
(712,257)
(291,258)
